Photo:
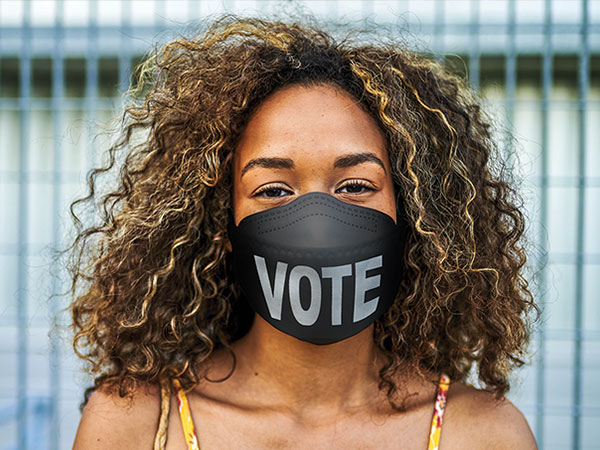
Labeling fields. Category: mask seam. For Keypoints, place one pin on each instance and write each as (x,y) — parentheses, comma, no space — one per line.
(272,215)
(281,227)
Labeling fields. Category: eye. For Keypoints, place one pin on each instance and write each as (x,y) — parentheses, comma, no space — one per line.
(356,187)
(270,191)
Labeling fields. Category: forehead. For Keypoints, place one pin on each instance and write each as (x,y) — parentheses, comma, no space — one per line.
(313,122)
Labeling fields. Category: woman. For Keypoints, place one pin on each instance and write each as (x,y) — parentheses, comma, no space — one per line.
(308,248)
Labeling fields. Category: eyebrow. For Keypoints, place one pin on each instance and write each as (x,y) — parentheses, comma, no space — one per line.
(349,160)
(268,163)
(353,159)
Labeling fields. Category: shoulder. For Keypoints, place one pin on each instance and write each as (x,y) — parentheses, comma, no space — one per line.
(474,418)
(110,421)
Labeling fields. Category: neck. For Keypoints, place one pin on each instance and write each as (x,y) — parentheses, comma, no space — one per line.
(338,377)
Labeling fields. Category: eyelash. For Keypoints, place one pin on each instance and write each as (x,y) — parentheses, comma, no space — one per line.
(274,186)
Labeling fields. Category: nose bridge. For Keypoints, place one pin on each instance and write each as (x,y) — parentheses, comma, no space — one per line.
(315,180)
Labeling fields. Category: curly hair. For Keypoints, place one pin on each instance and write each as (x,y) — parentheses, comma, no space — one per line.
(153,293)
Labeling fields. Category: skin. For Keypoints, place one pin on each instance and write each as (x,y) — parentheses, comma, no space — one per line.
(286,393)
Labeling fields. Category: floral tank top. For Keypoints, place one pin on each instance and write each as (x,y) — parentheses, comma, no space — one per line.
(434,434)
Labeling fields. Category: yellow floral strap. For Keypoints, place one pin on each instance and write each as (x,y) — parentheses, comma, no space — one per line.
(186,417)
(434,437)
(438,413)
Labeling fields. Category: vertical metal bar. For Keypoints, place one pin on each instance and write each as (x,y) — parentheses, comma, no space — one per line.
(404,4)
(124,51)
(365,7)
(474,52)
(438,31)
(1,99)
(22,310)
(161,14)
(546,90)
(91,80)
(228,5)
(195,8)
(57,117)
(584,61)
(38,414)
(510,76)
(333,10)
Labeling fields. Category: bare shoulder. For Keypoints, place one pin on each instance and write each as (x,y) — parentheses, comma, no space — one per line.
(110,421)
(473,418)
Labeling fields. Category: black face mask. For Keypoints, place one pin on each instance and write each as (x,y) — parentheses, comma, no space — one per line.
(318,268)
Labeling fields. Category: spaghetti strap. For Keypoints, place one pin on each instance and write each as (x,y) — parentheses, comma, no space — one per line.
(434,437)
(186,418)
(438,412)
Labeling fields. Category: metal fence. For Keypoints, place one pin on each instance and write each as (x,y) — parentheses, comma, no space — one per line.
(64,65)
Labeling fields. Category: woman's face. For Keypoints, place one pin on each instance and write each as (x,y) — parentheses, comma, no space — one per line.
(306,139)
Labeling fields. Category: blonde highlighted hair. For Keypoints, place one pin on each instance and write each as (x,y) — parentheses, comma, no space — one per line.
(158,298)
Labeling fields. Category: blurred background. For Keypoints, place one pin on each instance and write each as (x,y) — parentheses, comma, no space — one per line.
(64,66)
